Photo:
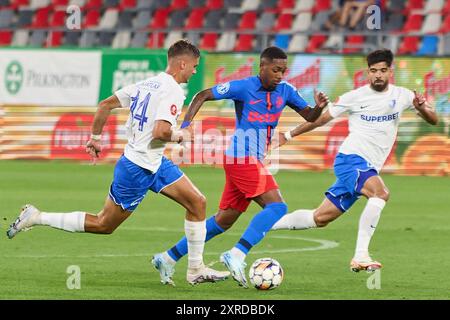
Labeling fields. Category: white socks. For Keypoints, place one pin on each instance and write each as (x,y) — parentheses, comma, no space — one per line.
(367,224)
(195,235)
(297,220)
(72,221)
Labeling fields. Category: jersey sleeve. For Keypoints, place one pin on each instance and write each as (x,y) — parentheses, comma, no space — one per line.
(229,90)
(124,95)
(295,100)
(408,97)
(342,105)
(169,107)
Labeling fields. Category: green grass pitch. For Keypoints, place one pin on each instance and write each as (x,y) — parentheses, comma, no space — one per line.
(412,240)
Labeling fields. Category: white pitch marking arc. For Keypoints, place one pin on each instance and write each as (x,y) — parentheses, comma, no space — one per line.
(323,245)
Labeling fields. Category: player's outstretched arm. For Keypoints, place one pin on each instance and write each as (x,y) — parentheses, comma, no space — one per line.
(195,105)
(303,128)
(164,131)
(93,146)
(424,108)
(312,114)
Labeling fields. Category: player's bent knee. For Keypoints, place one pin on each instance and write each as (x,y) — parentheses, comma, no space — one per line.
(382,194)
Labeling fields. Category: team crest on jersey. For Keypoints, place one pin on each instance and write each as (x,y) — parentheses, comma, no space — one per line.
(173,109)
(223,88)
(279,102)
(392,103)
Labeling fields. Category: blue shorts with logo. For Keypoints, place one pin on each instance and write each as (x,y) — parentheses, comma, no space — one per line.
(351,171)
(131,182)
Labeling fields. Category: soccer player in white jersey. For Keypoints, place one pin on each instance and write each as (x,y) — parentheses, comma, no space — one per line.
(374,115)
(155,105)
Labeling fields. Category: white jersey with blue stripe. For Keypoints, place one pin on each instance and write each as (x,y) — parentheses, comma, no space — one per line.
(373,121)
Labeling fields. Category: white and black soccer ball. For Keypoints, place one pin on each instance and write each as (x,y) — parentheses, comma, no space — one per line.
(266,274)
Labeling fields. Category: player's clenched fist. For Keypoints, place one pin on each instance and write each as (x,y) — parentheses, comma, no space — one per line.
(321,99)
(93,148)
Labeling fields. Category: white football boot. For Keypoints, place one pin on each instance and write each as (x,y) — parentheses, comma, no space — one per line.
(205,274)
(236,267)
(166,270)
(27,218)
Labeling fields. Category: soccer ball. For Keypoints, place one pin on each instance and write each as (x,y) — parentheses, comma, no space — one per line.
(266,274)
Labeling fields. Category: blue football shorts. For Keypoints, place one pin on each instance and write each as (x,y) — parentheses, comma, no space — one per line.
(131,182)
(351,172)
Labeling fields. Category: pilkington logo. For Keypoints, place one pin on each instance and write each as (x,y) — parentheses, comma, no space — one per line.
(13,77)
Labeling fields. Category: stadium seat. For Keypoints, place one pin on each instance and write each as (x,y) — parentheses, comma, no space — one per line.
(91,19)
(105,38)
(302,21)
(315,43)
(20,38)
(121,39)
(5,38)
(155,40)
(197,3)
(304,6)
(93,5)
(88,39)
(409,45)
(322,5)
(139,40)
(413,23)
(6,18)
(319,20)
(195,19)
(78,3)
(109,19)
(142,19)
(286,5)
(19,3)
(429,45)
(40,19)
(266,21)
(24,19)
(54,39)
(248,5)
(111,4)
(59,3)
(298,43)
(58,19)
(268,5)
(125,19)
(127,4)
(282,41)
(244,42)
(145,5)
(209,41)
(226,41)
(214,4)
(178,18)
(172,37)
(213,19)
(354,43)
(414,5)
(394,22)
(160,17)
(37,38)
(284,22)
(397,6)
(248,20)
(434,6)
(432,23)
(36,4)
(179,4)
(231,21)
(445,28)
(446,49)
(4,3)
(72,38)
(446,8)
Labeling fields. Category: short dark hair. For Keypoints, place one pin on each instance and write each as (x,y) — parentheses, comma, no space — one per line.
(182,47)
(382,55)
(273,53)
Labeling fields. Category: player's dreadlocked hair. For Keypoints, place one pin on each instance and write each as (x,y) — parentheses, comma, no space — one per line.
(382,55)
(271,53)
(183,47)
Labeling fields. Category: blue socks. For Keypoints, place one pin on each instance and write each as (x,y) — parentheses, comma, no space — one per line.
(260,224)
(181,248)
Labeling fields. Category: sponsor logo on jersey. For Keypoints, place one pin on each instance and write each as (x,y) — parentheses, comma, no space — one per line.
(255,101)
(173,109)
(389,117)
(254,116)
(392,103)
(223,88)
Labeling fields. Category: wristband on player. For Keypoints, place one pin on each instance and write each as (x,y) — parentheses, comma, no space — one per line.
(185,124)
(176,136)
(96,136)
(287,135)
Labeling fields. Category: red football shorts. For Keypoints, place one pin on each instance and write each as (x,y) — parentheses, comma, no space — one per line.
(244,181)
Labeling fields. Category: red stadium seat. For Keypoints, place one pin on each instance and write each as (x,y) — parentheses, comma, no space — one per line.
(445,28)
(409,45)
(58,19)
(195,19)
(60,3)
(93,4)
(214,4)
(354,44)
(414,5)
(286,4)
(54,39)
(414,23)
(5,38)
(179,4)
(155,40)
(284,22)
(446,8)
(315,43)
(248,20)
(92,19)
(40,19)
(322,5)
(19,3)
(160,18)
(126,4)
(244,42)
(209,41)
